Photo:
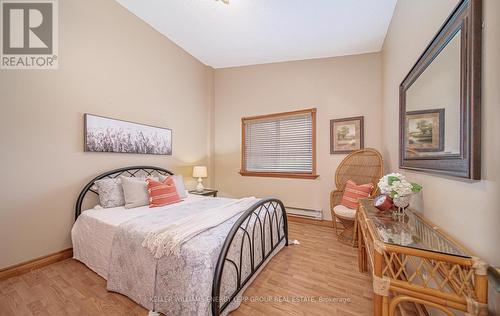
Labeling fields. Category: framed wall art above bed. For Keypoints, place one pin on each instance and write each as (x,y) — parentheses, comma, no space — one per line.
(103,134)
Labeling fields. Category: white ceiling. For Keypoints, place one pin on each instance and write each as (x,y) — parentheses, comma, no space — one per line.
(247,32)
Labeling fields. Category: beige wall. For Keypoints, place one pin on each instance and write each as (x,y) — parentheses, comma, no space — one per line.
(470,211)
(112,64)
(338,87)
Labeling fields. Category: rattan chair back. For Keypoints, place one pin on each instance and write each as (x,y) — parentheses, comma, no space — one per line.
(362,166)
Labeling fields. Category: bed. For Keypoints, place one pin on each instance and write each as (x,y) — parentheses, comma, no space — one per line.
(210,270)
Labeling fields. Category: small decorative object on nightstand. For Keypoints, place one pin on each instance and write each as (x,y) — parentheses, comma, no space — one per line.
(205,192)
(200,172)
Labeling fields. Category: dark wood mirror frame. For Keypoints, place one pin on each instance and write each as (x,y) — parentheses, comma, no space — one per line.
(467,18)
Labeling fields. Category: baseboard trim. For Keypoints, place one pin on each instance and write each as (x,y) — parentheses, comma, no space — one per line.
(310,221)
(25,267)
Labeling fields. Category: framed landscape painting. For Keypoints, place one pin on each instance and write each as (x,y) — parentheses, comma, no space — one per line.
(425,130)
(103,134)
(346,135)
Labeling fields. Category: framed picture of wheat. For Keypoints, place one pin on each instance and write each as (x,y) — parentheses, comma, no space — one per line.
(103,134)
(346,135)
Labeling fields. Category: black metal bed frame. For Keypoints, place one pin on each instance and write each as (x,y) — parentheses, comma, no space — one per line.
(127,171)
(250,218)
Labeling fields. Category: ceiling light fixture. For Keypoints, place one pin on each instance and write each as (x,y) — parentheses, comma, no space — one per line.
(225,1)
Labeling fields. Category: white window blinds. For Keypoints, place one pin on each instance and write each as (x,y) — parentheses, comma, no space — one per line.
(279,144)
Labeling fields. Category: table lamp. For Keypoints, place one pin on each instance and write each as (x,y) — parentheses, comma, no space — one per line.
(200,172)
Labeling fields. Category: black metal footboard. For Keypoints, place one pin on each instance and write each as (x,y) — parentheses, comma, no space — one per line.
(264,225)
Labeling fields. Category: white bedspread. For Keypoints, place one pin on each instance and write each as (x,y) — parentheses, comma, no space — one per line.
(92,235)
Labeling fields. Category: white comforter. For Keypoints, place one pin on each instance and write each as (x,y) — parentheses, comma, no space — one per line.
(92,234)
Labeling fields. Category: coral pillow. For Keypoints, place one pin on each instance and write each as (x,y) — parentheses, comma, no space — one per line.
(162,193)
(354,192)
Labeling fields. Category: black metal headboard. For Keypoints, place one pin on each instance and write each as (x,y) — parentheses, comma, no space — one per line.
(127,171)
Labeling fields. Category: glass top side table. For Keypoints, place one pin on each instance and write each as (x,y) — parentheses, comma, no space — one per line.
(413,231)
(414,261)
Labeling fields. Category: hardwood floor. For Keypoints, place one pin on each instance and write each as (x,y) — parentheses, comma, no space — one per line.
(320,267)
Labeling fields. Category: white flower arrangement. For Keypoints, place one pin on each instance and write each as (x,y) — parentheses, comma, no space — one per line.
(395,185)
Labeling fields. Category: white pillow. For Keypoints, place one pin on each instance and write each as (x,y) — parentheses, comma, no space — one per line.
(179,184)
(110,192)
(135,191)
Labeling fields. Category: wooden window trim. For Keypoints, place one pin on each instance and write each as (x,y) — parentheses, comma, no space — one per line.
(297,175)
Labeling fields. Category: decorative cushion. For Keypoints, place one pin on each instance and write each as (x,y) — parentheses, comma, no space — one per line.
(162,193)
(343,211)
(135,191)
(354,192)
(179,184)
(110,192)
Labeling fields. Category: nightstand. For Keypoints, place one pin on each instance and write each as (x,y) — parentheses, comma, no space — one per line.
(205,192)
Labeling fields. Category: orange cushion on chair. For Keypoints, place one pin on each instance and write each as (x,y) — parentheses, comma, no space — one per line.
(354,192)
(162,193)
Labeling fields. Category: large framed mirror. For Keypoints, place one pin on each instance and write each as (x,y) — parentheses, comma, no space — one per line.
(440,100)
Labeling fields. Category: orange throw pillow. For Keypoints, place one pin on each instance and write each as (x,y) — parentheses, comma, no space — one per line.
(354,192)
(162,193)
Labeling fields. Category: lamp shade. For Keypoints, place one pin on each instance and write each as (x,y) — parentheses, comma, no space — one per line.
(199,172)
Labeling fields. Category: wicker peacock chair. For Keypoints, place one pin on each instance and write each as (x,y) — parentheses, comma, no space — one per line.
(361,166)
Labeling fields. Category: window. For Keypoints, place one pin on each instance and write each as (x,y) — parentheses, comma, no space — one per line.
(280,145)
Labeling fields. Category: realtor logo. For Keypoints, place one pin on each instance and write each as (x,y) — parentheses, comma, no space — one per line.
(29,34)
